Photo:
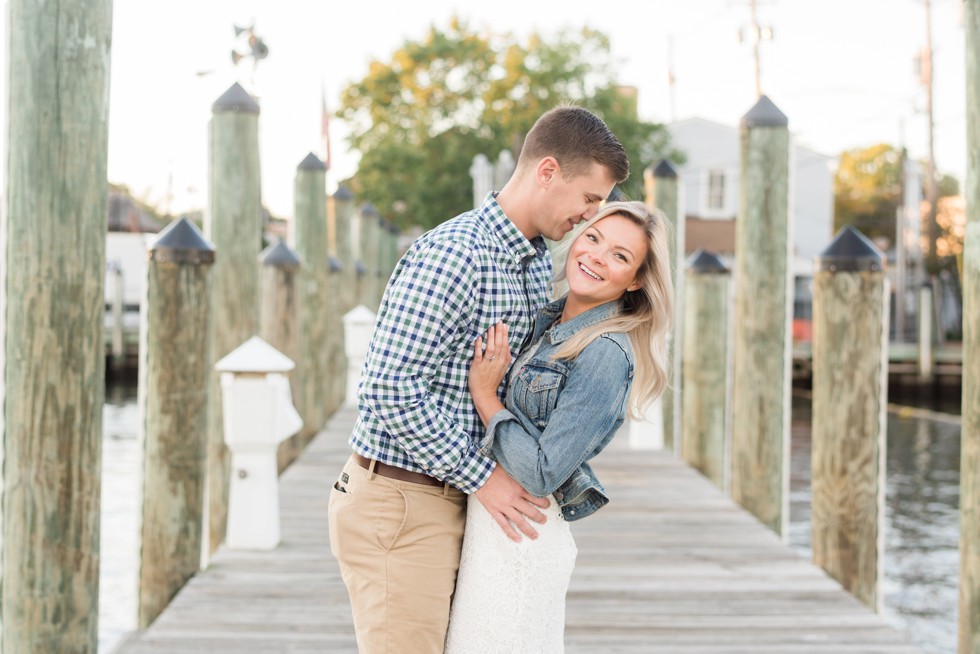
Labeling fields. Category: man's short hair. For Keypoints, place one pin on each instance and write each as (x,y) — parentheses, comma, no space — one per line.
(575,137)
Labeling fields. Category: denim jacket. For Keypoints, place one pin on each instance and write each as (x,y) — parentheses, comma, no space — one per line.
(560,413)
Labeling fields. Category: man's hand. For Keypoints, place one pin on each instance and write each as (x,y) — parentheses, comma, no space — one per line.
(508,503)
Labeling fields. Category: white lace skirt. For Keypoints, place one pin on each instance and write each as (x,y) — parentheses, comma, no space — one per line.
(510,597)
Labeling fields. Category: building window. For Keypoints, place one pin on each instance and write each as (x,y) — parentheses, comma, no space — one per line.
(716,190)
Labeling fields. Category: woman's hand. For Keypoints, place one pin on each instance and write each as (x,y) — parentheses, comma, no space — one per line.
(489,366)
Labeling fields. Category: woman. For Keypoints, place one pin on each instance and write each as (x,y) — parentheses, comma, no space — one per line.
(594,353)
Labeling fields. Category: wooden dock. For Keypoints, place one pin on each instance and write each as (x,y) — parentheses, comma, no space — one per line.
(670,565)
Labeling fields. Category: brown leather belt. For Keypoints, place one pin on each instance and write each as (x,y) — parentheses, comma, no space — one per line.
(394,472)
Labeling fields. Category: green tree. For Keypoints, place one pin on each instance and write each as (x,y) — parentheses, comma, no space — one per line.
(419,119)
(868,190)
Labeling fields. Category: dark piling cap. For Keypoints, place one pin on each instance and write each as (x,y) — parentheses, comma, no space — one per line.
(369,210)
(181,242)
(311,162)
(703,262)
(850,251)
(334,264)
(360,267)
(665,170)
(343,193)
(235,100)
(279,255)
(764,114)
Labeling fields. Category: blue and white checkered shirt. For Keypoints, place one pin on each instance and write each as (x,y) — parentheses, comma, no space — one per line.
(455,281)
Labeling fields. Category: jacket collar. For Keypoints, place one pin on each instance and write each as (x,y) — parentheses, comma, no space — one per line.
(561,333)
(511,239)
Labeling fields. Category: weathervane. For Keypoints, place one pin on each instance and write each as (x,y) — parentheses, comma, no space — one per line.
(253,47)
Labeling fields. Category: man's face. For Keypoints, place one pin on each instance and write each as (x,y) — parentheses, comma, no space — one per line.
(569,202)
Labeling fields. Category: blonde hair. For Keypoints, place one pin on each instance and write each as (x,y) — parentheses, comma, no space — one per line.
(647,311)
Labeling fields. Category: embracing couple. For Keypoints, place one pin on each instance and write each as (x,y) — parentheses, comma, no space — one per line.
(481,402)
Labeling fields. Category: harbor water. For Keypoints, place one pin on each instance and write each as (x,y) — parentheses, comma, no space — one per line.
(921,514)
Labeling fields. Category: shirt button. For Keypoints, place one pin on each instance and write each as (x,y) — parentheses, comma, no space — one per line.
(559,496)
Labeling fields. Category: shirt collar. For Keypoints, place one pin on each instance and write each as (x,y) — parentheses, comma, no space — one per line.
(517,245)
(561,333)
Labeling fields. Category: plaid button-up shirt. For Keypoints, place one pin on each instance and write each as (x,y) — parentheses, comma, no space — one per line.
(455,281)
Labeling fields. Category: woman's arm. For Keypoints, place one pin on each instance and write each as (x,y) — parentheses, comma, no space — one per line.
(580,425)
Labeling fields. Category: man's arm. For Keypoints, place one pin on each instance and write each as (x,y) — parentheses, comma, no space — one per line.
(427,304)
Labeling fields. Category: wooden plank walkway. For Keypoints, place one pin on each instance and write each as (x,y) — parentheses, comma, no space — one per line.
(670,565)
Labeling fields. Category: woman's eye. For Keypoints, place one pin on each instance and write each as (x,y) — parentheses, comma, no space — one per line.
(591,237)
(622,257)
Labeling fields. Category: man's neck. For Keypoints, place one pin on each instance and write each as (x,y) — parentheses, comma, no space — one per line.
(515,207)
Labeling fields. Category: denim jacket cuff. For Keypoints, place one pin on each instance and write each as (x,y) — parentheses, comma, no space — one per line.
(486,444)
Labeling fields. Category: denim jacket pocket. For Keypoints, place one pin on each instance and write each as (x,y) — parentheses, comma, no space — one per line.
(538,388)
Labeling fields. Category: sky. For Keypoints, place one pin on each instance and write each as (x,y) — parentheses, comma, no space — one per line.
(841,70)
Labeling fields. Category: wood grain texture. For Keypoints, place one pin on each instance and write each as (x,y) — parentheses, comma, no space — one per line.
(175,374)
(850,381)
(669,566)
(53,336)
(312,363)
(665,199)
(279,319)
(705,398)
(760,402)
(234,225)
(969,605)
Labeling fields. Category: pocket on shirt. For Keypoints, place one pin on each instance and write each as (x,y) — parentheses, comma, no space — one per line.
(538,395)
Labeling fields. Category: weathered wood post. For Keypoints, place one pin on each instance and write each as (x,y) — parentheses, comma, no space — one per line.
(661,184)
(52,321)
(368,227)
(343,203)
(761,388)
(927,353)
(234,225)
(174,378)
(336,371)
(969,605)
(280,318)
(343,283)
(850,385)
(117,289)
(309,234)
(705,364)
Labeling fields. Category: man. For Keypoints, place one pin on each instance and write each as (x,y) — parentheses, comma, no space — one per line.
(398,508)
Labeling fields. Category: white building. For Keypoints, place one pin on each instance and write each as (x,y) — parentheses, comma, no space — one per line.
(710,183)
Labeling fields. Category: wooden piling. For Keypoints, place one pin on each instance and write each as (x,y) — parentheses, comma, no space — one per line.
(342,285)
(234,225)
(279,319)
(969,604)
(369,255)
(927,353)
(310,242)
(53,303)
(117,303)
(705,399)
(850,384)
(761,386)
(174,377)
(662,194)
(343,203)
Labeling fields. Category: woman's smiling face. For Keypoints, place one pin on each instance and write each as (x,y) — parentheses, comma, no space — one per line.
(604,259)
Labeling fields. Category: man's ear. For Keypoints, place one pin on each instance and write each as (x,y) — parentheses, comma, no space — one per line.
(547,169)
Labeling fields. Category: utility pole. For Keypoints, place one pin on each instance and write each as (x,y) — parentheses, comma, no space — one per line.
(932,188)
(757,33)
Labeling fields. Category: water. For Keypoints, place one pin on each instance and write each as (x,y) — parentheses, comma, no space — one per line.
(921,515)
(922,521)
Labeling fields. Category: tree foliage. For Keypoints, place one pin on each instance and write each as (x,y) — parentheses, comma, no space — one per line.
(419,118)
(868,192)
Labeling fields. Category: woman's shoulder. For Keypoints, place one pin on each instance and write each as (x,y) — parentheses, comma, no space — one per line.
(609,349)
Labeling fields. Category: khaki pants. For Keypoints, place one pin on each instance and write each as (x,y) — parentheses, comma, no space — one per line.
(398,546)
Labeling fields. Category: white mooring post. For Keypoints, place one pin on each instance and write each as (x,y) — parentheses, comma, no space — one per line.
(258,415)
(358,329)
